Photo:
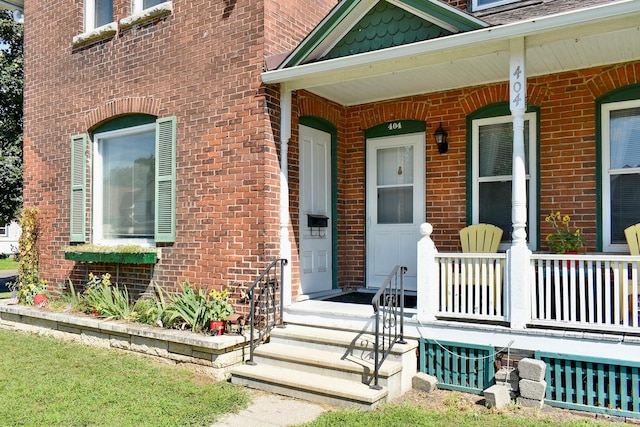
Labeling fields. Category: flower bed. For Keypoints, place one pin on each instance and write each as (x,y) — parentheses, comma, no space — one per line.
(211,355)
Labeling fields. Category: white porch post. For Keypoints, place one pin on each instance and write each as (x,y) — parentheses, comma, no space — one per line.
(427,275)
(518,256)
(285,135)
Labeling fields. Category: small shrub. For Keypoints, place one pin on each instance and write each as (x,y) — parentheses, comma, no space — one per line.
(108,300)
(188,309)
(151,310)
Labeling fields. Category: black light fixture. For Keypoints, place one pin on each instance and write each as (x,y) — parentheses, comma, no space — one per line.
(441,139)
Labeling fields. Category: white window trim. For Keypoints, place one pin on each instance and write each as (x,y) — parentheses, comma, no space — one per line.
(532,177)
(607,246)
(90,15)
(137,6)
(96,198)
(475,7)
(4,230)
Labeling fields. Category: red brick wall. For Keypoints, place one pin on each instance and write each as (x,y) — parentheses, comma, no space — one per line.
(567,159)
(202,64)
(293,20)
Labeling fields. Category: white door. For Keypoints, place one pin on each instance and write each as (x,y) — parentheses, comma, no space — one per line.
(316,269)
(395,205)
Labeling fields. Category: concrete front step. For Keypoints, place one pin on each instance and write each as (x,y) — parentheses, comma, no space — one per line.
(359,344)
(308,386)
(328,363)
(328,366)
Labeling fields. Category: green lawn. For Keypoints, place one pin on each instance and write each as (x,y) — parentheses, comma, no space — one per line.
(44,381)
(412,416)
(8,264)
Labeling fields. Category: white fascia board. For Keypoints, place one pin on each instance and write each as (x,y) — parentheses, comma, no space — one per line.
(505,32)
(12,5)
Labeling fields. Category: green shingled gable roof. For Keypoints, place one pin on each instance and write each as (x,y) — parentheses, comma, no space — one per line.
(386,24)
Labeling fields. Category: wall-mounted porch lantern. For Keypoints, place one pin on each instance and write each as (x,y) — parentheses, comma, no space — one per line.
(441,139)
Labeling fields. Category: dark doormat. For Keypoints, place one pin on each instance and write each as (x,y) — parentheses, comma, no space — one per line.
(365,298)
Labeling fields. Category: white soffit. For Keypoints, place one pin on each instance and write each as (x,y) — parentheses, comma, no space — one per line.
(559,43)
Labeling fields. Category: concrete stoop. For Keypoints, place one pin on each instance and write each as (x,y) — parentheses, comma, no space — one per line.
(327,366)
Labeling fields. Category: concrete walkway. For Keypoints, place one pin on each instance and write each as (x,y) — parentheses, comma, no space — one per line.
(272,410)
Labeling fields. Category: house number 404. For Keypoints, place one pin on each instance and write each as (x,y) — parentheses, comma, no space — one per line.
(395,125)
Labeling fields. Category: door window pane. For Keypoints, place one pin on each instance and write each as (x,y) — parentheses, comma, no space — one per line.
(395,166)
(395,205)
(395,185)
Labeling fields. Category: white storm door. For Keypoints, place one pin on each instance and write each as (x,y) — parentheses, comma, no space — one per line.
(395,205)
(316,269)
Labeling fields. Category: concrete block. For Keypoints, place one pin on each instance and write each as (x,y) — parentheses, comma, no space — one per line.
(533,389)
(95,338)
(179,348)
(507,375)
(117,341)
(424,382)
(149,346)
(497,396)
(530,403)
(531,369)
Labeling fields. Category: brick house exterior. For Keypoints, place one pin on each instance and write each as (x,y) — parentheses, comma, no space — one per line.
(202,64)
(566,101)
(199,62)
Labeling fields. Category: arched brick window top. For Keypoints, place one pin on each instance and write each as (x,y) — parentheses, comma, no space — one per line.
(122,107)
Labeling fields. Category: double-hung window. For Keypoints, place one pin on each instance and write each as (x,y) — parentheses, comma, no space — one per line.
(140,5)
(486,4)
(98,13)
(4,231)
(489,186)
(133,182)
(620,135)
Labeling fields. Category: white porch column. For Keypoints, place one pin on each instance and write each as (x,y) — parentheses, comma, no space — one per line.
(427,275)
(518,256)
(285,135)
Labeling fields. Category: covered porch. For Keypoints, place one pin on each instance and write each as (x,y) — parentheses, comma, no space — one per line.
(428,81)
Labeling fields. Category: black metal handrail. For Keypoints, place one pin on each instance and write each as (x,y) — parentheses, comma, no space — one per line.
(390,301)
(267,304)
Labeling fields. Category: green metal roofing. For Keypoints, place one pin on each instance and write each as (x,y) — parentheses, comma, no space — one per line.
(385,25)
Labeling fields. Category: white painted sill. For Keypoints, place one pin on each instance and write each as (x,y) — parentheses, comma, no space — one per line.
(109,30)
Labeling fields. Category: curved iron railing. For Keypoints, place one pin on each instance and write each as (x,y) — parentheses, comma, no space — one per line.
(265,296)
(390,301)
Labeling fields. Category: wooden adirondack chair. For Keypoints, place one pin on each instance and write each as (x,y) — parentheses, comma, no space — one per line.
(478,238)
(632,234)
(483,238)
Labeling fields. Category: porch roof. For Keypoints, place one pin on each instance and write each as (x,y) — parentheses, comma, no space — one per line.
(598,35)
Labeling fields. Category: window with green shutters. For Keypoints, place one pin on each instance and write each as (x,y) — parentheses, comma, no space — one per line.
(133,176)
(78,188)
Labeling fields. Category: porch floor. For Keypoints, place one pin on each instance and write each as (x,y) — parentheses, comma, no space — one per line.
(364,298)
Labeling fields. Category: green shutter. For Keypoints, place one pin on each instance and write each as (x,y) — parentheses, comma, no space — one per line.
(78,188)
(165,221)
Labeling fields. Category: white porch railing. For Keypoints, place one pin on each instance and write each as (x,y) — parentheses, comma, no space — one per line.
(586,291)
(598,292)
(471,285)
